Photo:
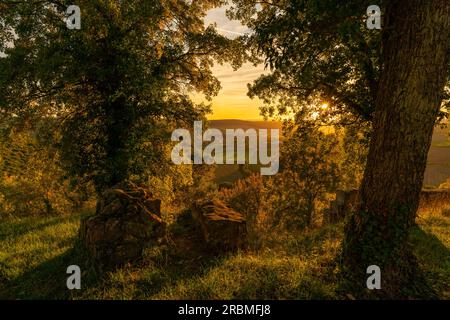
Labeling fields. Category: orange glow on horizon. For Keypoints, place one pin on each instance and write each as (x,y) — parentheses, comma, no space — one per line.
(232,101)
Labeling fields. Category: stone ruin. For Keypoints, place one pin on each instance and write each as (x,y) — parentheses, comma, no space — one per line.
(347,202)
(127,219)
(223,229)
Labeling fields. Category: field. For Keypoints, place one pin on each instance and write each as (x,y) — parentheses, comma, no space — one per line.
(35,252)
(230,172)
(438,163)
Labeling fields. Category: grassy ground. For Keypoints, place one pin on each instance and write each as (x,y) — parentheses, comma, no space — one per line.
(35,252)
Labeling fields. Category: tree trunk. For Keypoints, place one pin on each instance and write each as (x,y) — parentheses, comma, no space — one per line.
(414,71)
(119,124)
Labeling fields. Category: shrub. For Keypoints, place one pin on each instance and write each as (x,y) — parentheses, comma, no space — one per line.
(252,197)
(32,182)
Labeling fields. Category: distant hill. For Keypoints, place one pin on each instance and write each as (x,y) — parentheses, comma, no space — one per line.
(438,162)
(230,172)
(243,124)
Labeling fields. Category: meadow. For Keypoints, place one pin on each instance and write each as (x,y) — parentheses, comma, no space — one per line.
(35,252)
(295,263)
(438,162)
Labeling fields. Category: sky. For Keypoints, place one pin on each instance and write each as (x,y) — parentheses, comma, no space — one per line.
(232,101)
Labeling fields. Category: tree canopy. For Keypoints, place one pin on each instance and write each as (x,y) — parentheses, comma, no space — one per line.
(396,80)
(112,84)
(319,52)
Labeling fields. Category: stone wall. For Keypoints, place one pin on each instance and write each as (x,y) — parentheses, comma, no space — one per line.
(347,201)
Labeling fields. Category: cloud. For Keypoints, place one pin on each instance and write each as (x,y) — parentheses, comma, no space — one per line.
(225,26)
(232,101)
(231,32)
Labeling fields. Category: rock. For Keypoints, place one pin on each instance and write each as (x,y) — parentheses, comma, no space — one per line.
(223,229)
(127,219)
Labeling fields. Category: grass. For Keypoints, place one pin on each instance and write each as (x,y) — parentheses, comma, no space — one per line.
(432,247)
(441,143)
(35,252)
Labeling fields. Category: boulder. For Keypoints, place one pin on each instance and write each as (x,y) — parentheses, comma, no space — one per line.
(127,220)
(223,229)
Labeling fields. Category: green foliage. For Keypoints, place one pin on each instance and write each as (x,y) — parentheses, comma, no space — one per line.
(309,173)
(253,197)
(317,51)
(171,189)
(354,146)
(314,163)
(111,85)
(32,181)
(382,240)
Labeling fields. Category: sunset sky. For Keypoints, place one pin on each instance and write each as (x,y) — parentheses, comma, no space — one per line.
(232,101)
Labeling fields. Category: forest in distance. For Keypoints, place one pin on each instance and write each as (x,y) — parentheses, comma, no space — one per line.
(224,149)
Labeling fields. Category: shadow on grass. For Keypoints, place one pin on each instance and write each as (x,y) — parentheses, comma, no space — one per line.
(434,259)
(15,229)
(173,271)
(184,260)
(48,279)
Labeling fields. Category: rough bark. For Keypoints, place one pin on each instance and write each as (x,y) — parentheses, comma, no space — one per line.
(414,71)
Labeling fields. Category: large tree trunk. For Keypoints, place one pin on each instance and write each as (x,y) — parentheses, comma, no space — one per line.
(414,71)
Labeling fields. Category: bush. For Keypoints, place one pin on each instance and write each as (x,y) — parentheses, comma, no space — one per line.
(32,182)
(252,197)
(445,185)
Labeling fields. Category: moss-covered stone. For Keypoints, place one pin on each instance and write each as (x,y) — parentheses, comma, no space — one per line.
(127,220)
